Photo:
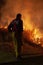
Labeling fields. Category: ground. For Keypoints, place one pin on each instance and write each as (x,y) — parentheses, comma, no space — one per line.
(31,53)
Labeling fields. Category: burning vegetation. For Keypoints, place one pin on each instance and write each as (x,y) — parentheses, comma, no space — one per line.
(34,36)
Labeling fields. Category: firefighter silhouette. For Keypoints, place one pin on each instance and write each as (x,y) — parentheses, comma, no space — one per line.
(16,26)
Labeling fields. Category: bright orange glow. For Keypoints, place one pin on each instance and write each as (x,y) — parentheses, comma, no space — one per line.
(5,27)
(36,33)
(36,36)
(27,25)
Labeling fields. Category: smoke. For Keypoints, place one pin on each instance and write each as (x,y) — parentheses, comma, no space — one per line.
(2,4)
(31,10)
(37,14)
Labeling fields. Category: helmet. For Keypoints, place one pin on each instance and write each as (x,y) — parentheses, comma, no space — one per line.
(18,16)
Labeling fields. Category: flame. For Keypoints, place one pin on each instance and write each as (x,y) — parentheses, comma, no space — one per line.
(35,35)
(27,25)
(5,27)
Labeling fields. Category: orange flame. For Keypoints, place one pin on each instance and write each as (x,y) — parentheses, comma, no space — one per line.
(36,34)
(27,25)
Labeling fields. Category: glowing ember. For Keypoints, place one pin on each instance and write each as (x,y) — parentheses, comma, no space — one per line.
(5,27)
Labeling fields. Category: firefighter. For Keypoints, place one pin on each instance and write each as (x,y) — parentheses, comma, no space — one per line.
(17,27)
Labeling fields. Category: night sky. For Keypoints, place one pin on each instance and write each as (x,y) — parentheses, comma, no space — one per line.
(32,11)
